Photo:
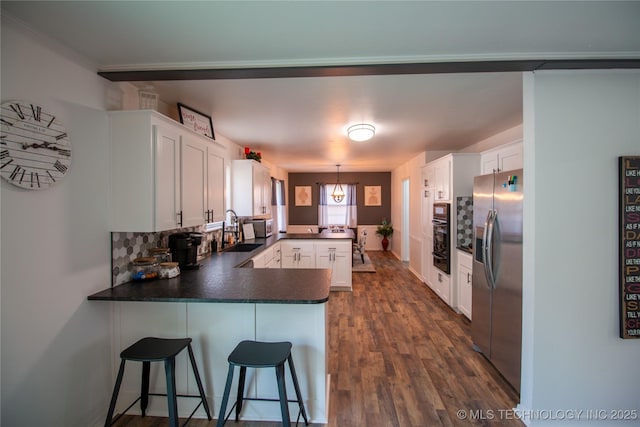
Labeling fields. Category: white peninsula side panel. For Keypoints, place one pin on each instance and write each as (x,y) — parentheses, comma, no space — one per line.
(216,328)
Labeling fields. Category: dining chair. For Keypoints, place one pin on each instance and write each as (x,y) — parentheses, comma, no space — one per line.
(359,246)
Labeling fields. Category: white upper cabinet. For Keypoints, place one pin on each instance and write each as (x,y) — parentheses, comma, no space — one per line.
(166,148)
(193,182)
(504,158)
(160,173)
(443,179)
(251,189)
(215,186)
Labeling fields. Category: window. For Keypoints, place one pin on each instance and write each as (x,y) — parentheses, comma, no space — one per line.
(336,212)
(280,213)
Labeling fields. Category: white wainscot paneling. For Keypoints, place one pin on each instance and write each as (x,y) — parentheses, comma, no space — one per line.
(137,320)
(274,323)
(216,329)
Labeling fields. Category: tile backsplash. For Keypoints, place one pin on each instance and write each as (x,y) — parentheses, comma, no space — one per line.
(464,221)
(125,247)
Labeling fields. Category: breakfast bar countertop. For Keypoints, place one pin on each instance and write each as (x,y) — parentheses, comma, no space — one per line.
(220,279)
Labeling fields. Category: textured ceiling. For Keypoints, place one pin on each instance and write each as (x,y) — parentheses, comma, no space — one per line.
(299,123)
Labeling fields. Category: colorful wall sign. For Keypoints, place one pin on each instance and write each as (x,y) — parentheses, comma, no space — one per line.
(630,247)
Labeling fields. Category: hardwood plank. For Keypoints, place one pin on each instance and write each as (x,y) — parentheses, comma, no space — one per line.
(398,356)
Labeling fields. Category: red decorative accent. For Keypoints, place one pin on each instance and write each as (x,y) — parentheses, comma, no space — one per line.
(247,150)
(385,243)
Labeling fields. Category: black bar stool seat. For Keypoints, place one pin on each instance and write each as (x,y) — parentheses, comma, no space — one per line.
(256,354)
(165,350)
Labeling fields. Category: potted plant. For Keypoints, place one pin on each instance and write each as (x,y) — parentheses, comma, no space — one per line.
(385,230)
(252,155)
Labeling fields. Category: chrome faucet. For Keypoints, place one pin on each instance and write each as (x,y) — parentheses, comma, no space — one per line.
(234,217)
(235,223)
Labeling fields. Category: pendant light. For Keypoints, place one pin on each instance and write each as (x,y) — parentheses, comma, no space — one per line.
(338,193)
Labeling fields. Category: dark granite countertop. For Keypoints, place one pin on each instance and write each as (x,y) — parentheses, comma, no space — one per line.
(219,279)
(347,234)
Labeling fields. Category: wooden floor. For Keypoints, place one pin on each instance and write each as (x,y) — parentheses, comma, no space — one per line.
(399,356)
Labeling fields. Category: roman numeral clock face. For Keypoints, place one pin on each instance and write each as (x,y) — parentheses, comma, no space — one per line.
(35,150)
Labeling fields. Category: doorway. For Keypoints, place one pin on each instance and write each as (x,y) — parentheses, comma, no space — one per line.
(405,219)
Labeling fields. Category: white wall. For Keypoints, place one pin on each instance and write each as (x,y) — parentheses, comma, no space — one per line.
(410,170)
(576,124)
(55,251)
(505,137)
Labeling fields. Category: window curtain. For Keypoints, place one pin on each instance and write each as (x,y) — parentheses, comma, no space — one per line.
(323,210)
(278,205)
(352,207)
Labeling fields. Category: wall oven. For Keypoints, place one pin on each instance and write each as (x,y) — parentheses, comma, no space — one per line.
(441,238)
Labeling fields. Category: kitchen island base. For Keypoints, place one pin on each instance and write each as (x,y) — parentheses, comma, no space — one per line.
(216,328)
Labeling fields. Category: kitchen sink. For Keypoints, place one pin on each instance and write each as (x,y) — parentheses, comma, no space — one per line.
(242,247)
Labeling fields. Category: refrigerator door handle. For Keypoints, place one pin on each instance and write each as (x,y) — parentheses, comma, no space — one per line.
(488,249)
(495,237)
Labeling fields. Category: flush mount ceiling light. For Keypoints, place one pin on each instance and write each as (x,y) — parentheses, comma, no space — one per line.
(361,132)
(338,193)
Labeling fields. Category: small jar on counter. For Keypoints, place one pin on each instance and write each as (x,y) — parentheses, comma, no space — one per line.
(144,268)
(169,270)
(160,254)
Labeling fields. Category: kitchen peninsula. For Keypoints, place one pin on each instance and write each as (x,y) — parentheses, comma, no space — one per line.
(220,304)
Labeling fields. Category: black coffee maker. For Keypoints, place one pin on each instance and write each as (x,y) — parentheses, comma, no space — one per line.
(184,249)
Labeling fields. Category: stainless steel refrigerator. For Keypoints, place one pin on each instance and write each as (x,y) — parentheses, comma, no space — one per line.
(496,328)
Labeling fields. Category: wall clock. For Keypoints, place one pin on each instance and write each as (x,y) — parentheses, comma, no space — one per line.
(35,150)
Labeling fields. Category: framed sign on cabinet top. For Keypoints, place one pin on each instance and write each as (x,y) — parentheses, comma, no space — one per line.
(195,120)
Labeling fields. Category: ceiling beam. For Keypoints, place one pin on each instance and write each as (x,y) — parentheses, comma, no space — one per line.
(365,70)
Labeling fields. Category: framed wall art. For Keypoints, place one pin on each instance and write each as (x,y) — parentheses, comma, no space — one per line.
(629,236)
(372,195)
(195,120)
(303,195)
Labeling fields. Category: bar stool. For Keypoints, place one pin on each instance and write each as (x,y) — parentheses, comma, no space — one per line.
(165,350)
(255,354)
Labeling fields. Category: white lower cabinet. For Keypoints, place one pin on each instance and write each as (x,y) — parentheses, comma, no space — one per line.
(259,260)
(275,259)
(298,254)
(441,284)
(336,256)
(465,273)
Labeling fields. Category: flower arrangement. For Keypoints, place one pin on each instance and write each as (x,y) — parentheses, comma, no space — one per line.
(252,155)
(385,229)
